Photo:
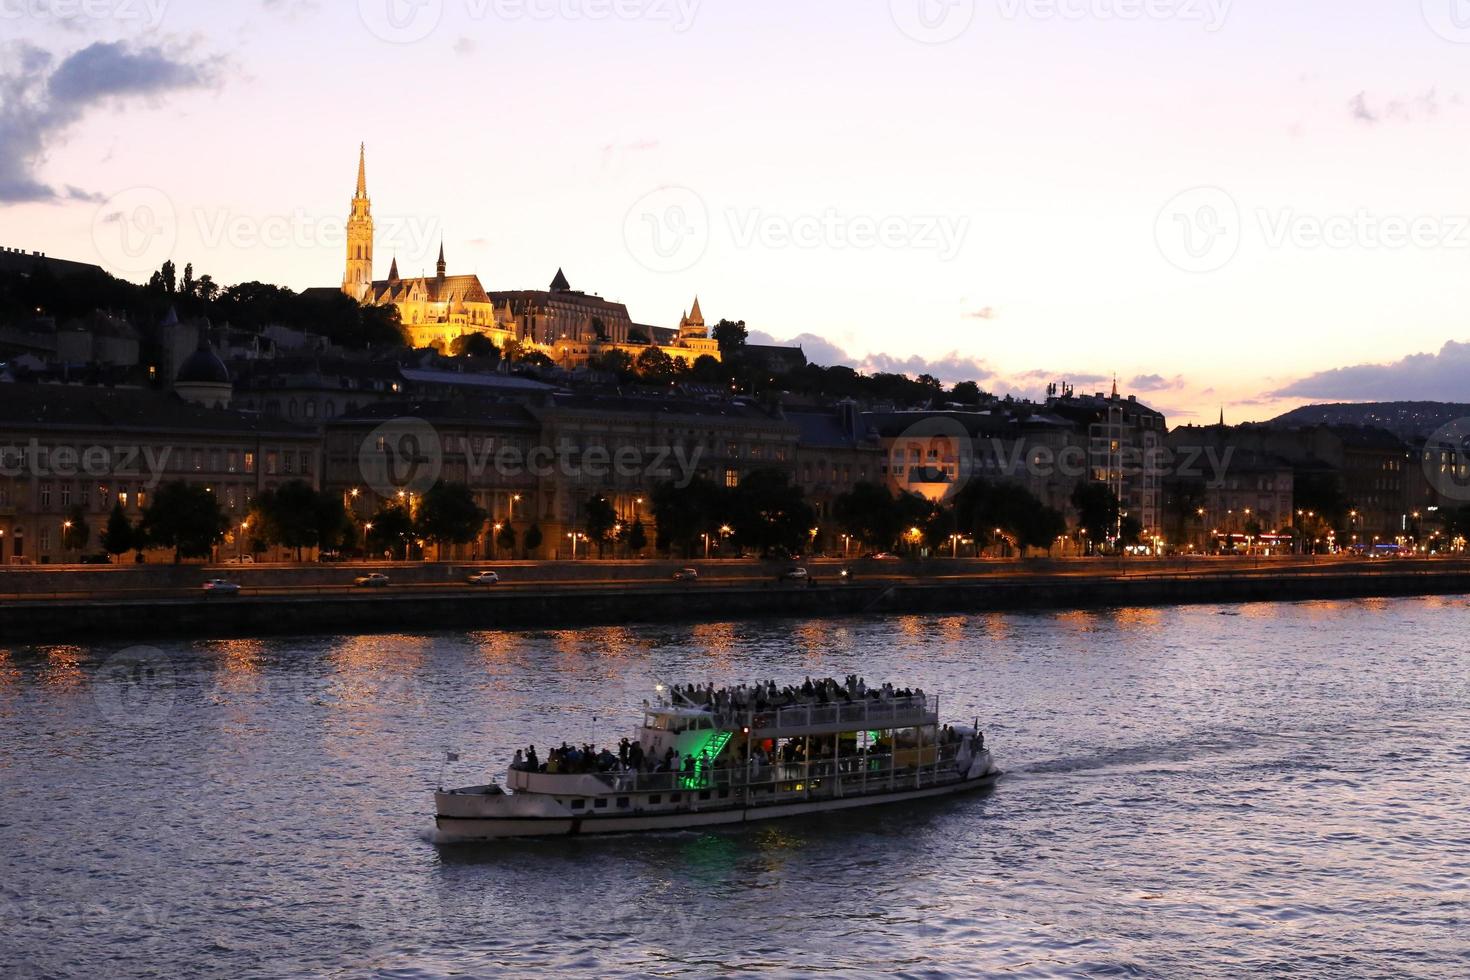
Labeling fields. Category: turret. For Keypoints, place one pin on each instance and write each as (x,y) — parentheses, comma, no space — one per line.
(357,282)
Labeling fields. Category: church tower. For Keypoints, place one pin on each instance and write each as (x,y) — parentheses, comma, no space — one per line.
(358,282)
(693,325)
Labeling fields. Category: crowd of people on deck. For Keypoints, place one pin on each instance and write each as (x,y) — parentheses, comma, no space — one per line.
(766,696)
(726,702)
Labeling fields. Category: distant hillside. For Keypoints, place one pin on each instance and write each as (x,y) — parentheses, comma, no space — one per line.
(1404,419)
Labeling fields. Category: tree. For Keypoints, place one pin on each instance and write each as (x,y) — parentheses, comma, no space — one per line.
(731,335)
(1097,510)
(600,519)
(655,365)
(185,518)
(618,362)
(708,370)
(1009,512)
(506,539)
(683,513)
(390,528)
(449,515)
(871,514)
(74,531)
(534,537)
(290,516)
(966,393)
(118,537)
(475,345)
(770,514)
(637,537)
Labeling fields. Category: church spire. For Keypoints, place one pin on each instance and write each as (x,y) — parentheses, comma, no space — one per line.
(362,171)
(442,266)
(1115,386)
(695,316)
(393,271)
(357,281)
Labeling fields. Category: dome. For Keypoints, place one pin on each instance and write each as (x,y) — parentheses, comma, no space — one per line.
(204,367)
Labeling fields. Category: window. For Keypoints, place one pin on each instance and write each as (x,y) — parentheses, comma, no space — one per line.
(272,463)
(655,799)
(675,797)
(600,804)
(45,539)
(198,460)
(214,461)
(623,803)
(66,495)
(732,478)
(579,804)
(704,794)
(249,462)
(45,498)
(232,461)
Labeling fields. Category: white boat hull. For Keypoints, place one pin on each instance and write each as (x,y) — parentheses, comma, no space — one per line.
(467,828)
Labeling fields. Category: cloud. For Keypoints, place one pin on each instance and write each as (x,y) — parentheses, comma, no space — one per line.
(1403,109)
(949,368)
(40,100)
(1419,377)
(1156,382)
(1358,106)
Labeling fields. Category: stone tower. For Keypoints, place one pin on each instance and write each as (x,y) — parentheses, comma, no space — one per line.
(358,281)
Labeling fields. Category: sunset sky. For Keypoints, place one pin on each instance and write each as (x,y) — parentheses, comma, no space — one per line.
(1222,203)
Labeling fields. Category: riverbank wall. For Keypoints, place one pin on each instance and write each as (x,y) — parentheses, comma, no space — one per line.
(383,611)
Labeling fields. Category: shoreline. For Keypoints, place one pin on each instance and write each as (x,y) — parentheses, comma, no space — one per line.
(384,611)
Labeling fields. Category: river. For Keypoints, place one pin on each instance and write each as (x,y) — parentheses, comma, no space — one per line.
(1269,790)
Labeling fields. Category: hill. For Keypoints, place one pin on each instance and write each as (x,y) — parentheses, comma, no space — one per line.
(1405,419)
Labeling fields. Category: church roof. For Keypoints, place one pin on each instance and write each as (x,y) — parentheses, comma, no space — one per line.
(450,289)
(695,316)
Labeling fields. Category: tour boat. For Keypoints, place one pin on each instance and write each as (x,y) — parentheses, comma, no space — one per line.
(747,765)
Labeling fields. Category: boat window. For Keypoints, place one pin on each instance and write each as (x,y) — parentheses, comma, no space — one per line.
(725,794)
(655,799)
(622,803)
(675,797)
(578,804)
(704,795)
(600,804)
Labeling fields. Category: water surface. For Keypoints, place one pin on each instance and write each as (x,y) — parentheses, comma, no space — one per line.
(1276,790)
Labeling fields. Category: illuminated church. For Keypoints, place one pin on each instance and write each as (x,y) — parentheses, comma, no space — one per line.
(566,325)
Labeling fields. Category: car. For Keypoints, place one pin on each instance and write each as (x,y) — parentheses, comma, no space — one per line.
(795,574)
(880,556)
(377,580)
(241,560)
(219,586)
(687,575)
(484,578)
